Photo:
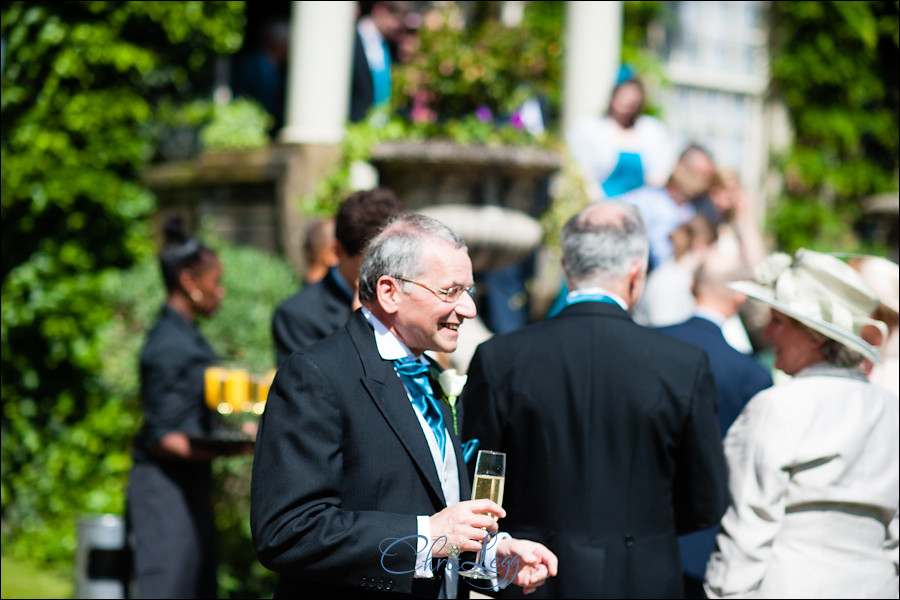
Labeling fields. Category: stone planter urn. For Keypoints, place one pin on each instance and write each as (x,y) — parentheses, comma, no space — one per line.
(491,196)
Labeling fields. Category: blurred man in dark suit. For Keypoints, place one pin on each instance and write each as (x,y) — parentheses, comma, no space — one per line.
(320,308)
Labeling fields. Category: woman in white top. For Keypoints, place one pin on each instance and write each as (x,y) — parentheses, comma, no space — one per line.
(814,462)
(623,149)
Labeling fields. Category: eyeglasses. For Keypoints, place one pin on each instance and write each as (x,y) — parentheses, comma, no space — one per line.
(448,295)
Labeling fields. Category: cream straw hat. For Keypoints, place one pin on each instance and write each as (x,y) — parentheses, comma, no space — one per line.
(821,291)
(883,276)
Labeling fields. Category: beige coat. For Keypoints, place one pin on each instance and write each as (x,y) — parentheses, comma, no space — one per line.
(815,481)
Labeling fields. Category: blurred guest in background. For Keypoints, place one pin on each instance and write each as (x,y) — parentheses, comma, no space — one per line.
(322,307)
(625,148)
(319,250)
(169,507)
(380,28)
(667,297)
(736,230)
(665,208)
(260,72)
(814,464)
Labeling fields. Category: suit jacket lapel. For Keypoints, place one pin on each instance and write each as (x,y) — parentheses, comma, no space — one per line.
(389,395)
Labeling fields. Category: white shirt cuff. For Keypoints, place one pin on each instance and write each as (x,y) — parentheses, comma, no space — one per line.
(490,559)
(423,547)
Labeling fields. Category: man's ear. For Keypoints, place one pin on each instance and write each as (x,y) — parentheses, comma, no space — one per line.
(637,276)
(387,294)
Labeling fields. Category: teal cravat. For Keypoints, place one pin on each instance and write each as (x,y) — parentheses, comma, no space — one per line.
(590,298)
(415,375)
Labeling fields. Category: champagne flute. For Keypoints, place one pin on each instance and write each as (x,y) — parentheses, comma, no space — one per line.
(214,378)
(490,477)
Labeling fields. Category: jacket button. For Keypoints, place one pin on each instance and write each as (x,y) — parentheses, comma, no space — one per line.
(629,541)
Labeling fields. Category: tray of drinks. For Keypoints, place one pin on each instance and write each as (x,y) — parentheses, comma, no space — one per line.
(222,441)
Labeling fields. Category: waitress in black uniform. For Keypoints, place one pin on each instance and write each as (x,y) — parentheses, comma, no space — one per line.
(169,506)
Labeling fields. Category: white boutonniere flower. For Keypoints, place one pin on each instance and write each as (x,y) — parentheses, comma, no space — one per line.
(452,384)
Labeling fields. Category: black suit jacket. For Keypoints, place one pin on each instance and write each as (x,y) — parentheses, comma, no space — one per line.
(738,378)
(311,314)
(612,447)
(341,469)
(362,87)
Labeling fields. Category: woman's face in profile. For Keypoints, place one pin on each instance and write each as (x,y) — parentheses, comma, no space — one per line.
(207,278)
(795,349)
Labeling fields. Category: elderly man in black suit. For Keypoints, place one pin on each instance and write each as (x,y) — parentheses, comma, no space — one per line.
(320,308)
(738,378)
(609,427)
(358,474)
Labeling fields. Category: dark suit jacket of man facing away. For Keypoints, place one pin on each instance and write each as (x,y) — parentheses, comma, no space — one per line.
(612,447)
(342,465)
(314,312)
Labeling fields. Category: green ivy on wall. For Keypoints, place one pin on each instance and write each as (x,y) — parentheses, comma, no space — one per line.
(834,64)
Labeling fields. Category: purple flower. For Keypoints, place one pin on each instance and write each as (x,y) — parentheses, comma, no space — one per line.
(484,114)
(516,121)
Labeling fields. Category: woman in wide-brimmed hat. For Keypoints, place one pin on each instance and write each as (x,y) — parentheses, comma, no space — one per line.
(814,462)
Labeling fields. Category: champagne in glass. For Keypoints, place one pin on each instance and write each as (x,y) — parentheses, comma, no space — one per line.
(490,477)
(490,487)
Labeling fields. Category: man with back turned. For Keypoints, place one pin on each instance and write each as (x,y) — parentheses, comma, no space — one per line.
(609,427)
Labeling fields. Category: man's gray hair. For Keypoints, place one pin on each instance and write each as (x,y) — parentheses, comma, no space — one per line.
(602,242)
(399,248)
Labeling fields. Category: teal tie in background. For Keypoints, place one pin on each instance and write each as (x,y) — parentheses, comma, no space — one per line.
(381,79)
(415,375)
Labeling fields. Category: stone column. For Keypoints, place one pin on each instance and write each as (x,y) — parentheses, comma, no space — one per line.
(593,39)
(317,107)
(318,82)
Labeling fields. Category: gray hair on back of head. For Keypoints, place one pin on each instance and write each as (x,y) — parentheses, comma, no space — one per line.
(602,242)
(399,248)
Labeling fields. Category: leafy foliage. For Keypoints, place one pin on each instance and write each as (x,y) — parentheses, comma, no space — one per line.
(463,65)
(80,89)
(834,66)
(242,124)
